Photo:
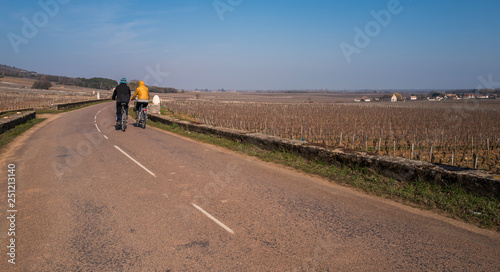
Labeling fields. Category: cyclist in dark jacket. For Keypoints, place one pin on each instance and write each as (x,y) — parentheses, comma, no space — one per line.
(121,95)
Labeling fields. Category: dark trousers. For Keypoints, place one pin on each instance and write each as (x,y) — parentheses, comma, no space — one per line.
(119,110)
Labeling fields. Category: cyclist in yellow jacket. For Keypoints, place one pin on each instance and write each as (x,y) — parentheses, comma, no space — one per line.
(142,94)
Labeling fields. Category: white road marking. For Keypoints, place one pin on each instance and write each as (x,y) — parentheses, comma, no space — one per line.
(214,219)
(105,137)
(147,170)
(95,121)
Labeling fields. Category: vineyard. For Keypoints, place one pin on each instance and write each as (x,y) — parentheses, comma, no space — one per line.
(461,133)
(26,98)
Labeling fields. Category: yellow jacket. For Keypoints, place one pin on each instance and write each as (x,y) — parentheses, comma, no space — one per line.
(142,92)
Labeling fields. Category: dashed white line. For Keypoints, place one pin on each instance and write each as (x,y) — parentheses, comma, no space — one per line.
(97,127)
(147,170)
(213,219)
(105,137)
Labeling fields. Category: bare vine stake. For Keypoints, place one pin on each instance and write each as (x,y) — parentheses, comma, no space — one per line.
(488,152)
(379,144)
(394,149)
(452,157)
(412,147)
(475,161)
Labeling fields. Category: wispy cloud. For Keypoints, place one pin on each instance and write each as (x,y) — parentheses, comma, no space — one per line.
(108,28)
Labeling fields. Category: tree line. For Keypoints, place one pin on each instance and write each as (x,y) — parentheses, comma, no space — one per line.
(133,84)
(46,81)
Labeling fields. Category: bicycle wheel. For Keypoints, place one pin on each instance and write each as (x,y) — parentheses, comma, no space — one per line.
(138,120)
(124,119)
(144,118)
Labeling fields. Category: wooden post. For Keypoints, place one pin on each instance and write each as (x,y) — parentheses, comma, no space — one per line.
(488,151)
(394,148)
(475,161)
(412,148)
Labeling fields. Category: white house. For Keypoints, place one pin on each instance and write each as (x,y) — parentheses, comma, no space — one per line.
(394,98)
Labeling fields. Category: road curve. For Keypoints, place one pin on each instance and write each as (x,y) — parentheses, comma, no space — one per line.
(91,198)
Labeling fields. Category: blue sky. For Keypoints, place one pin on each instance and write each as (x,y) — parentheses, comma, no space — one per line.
(259,45)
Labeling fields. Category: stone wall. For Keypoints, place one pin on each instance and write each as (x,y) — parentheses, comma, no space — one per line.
(17,110)
(15,120)
(476,181)
(71,105)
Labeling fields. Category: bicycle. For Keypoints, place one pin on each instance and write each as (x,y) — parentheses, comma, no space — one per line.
(123,121)
(143,116)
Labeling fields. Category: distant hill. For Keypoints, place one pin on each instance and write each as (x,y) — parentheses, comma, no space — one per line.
(96,82)
(16,72)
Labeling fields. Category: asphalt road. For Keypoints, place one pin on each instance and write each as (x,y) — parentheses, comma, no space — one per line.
(91,198)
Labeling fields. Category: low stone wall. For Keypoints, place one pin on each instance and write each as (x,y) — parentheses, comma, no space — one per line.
(15,120)
(476,181)
(18,110)
(71,105)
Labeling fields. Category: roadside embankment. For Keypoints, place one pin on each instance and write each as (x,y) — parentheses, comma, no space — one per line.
(16,119)
(474,181)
